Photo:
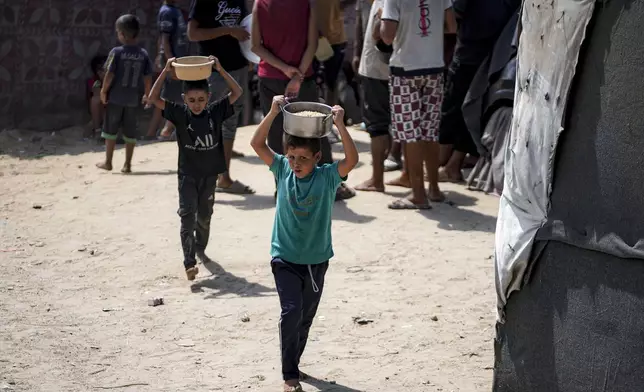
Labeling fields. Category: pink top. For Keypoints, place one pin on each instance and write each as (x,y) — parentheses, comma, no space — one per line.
(284,26)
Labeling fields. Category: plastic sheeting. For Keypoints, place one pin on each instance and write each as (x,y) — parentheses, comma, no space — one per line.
(552,32)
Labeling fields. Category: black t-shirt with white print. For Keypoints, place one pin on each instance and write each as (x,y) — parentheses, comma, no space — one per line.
(221,13)
(201,147)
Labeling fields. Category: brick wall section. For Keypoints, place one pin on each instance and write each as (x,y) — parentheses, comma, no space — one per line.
(45,50)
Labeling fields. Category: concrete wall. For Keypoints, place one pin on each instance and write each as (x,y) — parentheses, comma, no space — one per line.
(45,50)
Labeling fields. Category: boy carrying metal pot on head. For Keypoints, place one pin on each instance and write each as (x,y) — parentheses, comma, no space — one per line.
(301,243)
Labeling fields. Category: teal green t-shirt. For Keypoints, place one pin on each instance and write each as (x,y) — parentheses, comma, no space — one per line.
(302,228)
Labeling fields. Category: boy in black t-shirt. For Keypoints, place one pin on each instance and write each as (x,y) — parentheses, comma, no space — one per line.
(201,155)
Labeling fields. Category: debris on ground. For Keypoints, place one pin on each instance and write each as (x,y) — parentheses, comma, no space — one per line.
(155,301)
(362,321)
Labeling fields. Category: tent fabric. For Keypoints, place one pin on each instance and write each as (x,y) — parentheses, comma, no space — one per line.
(552,32)
(577,323)
(487,175)
(576,326)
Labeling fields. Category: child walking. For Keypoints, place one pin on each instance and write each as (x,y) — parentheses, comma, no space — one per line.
(128,68)
(201,155)
(301,243)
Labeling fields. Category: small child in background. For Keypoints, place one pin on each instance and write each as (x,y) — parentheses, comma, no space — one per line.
(301,243)
(201,155)
(128,68)
(96,107)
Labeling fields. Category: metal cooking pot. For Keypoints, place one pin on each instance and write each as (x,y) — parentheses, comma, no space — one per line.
(307,127)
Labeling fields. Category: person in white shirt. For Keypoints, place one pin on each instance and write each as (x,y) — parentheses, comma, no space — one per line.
(416,28)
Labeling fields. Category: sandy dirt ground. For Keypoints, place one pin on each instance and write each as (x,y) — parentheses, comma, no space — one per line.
(82,251)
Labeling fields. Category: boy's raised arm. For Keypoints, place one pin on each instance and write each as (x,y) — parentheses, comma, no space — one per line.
(155,95)
(350,151)
(258,141)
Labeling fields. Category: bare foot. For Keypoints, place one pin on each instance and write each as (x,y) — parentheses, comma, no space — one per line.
(445,175)
(435,195)
(104,166)
(402,181)
(126,169)
(371,186)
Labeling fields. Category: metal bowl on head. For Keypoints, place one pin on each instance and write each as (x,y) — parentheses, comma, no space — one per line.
(193,67)
(311,127)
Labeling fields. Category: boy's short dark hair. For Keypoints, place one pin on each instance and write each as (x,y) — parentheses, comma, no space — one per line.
(128,25)
(201,85)
(290,141)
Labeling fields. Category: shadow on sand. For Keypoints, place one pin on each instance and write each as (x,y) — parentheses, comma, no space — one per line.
(328,386)
(221,283)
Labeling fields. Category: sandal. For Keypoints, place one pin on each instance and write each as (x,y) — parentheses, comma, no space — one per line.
(406,204)
(236,188)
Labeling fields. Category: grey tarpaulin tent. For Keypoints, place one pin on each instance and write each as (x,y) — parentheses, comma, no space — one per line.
(570,235)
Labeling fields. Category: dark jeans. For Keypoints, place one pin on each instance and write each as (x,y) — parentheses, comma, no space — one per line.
(196,201)
(453,129)
(300,289)
(268,88)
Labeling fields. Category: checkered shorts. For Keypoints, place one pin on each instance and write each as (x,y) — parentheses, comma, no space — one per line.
(416,107)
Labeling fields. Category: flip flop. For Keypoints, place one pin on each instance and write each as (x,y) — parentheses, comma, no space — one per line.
(405,204)
(237,154)
(236,188)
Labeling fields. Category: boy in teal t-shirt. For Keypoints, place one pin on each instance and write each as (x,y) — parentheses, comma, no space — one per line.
(301,243)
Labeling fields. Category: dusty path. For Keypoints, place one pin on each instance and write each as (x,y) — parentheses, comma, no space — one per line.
(76,275)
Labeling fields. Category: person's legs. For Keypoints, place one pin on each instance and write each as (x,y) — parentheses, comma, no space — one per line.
(188,204)
(377,118)
(398,91)
(289,283)
(313,285)
(155,122)
(332,68)
(406,98)
(173,92)
(453,130)
(205,204)
(129,136)
(113,120)
(219,90)
(97,110)
(415,152)
(268,88)
(431,102)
